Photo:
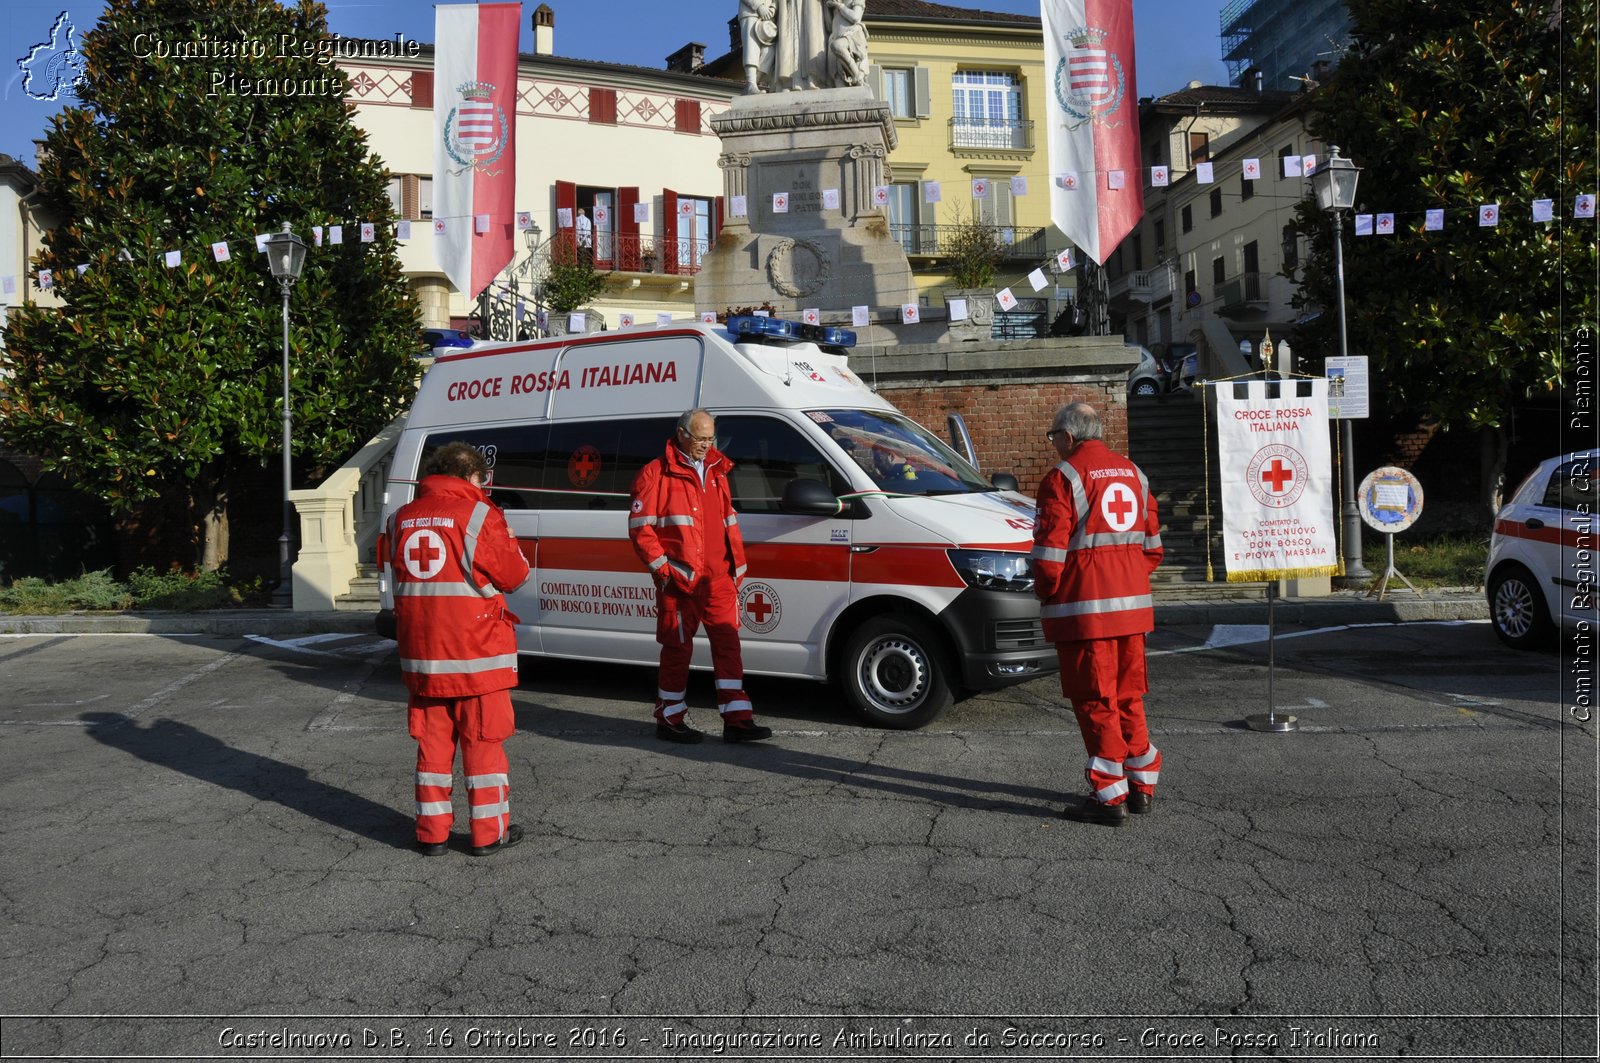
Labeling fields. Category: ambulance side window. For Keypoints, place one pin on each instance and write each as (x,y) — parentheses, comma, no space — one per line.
(591,465)
(767,453)
(515,454)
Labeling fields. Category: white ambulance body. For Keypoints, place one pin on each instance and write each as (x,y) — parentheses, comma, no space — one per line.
(905,581)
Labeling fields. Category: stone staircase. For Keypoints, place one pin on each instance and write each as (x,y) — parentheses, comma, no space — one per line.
(1167,439)
(363,593)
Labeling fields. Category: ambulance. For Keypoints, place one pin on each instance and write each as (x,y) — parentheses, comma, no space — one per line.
(879,559)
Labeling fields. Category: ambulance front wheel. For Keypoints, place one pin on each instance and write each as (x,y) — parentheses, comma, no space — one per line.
(895,672)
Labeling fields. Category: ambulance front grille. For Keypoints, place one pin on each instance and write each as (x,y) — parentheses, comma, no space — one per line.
(1018,634)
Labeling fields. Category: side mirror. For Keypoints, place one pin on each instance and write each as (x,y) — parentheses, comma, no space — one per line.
(1004,481)
(811,499)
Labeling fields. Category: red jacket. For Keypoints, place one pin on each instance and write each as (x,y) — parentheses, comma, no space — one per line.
(1096,540)
(450,555)
(665,522)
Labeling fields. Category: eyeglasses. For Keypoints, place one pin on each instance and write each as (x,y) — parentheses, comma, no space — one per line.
(698,439)
(1051,435)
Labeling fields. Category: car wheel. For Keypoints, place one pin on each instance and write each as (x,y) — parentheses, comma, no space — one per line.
(895,674)
(1145,387)
(1517,609)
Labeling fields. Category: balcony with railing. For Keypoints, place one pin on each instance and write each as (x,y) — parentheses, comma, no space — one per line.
(1244,294)
(634,252)
(931,241)
(991,134)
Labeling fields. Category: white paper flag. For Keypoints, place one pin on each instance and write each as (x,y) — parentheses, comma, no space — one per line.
(1064,259)
(1019,185)
(369,232)
(761,313)
(780,202)
(402,230)
(261,245)
(708,318)
(1159,177)
(1308,165)
(1252,169)
(1363,225)
(219,251)
(909,315)
(930,192)
(8,284)
(641,211)
(1038,280)
(738,207)
(1203,174)
(1433,221)
(1386,225)
(830,199)
(1116,179)
(602,216)
(174,258)
(957,309)
(663,319)
(811,316)
(336,234)
(577,321)
(1006,300)
(82,268)
(880,195)
(625,321)
(480,223)
(685,208)
(524,220)
(316,235)
(439,227)
(47,279)
(980,188)
(1544,210)
(1489,215)
(1583,207)
(860,316)
(1291,166)
(1069,180)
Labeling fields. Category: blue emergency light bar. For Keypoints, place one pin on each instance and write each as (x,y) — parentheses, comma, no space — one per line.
(748,326)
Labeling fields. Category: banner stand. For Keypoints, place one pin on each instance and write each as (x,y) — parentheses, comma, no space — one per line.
(1390,570)
(1270,720)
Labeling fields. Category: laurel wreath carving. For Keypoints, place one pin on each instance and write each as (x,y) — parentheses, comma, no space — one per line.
(797,267)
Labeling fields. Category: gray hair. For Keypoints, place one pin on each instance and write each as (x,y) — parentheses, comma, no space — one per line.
(688,417)
(1078,419)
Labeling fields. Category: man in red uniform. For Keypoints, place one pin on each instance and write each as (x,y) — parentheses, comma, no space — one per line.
(1096,541)
(450,556)
(684,529)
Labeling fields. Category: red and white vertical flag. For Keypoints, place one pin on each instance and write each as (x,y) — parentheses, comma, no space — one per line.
(1093,122)
(475,139)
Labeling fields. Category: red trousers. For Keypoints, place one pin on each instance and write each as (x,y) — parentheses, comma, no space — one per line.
(479,726)
(1105,680)
(714,602)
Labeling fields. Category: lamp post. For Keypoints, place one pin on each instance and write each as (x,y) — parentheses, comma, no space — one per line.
(1335,186)
(286,255)
(532,234)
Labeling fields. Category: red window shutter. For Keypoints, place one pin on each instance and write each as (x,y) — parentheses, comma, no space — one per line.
(628,244)
(687,113)
(602,106)
(422,89)
(669,231)
(565,248)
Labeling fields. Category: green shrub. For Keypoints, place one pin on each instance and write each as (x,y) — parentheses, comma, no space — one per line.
(92,590)
(181,590)
(1445,561)
(145,589)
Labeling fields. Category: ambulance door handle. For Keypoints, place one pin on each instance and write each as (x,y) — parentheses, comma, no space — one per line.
(1533,522)
(863,549)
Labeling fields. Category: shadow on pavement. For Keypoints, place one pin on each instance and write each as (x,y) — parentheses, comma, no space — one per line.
(185,749)
(581,728)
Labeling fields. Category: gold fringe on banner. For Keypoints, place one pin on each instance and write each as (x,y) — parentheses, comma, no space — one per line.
(1259,575)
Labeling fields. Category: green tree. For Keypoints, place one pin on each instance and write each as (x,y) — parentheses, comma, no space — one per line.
(154,380)
(1452,104)
(972,249)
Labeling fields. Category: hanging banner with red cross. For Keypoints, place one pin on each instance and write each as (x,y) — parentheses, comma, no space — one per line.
(1277,480)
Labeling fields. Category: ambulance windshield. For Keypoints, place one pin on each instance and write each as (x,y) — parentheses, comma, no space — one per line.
(898,454)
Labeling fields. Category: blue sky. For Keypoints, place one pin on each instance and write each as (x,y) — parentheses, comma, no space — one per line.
(1175,40)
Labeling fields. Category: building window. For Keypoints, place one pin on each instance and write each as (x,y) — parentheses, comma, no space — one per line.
(1188,218)
(1216,202)
(1219,270)
(1189,284)
(897,91)
(987,110)
(603,106)
(1161,235)
(903,221)
(687,115)
(1247,188)
(1137,238)
(1291,248)
(422,89)
(1286,152)
(694,231)
(995,208)
(1199,147)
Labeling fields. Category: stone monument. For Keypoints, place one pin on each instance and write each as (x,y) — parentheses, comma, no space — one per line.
(803,151)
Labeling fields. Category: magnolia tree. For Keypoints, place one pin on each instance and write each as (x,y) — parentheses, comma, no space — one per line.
(157,379)
(1453,107)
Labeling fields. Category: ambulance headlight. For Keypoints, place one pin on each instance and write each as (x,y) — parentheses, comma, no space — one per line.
(993,570)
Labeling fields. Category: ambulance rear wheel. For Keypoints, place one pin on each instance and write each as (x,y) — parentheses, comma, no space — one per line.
(894,672)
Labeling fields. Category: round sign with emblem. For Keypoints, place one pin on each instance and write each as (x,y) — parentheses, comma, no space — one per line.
(583,467)
(759,607)
(1390,499)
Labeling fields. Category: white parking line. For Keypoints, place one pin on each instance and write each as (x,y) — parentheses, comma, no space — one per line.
(1224,636)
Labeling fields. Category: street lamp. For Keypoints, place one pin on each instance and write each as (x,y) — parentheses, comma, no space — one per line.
(286,255)
(533,234)
(1335,186)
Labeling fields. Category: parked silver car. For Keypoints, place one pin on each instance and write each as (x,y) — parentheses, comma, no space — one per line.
(1541,568)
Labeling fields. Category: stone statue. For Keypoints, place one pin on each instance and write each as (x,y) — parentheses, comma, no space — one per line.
(801,59)
(758,32)
(847,42)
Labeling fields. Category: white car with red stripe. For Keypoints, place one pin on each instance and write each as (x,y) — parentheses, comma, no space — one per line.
(878,558)
(1542,558)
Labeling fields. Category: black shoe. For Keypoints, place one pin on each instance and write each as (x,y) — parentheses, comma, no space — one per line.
(745,731)
(678,732)
(1088,810)
(433,848)
(1140,803)
(512,836)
